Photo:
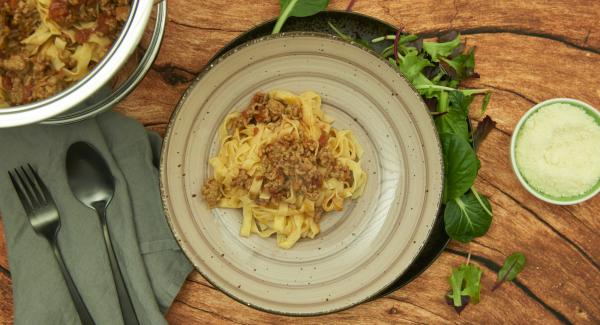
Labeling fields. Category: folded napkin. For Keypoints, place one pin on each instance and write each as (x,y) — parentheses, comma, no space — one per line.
(152,264)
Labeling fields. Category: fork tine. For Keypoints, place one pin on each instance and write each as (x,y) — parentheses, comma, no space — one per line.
(19,189)
(28,186)
(34,184)
(45,192)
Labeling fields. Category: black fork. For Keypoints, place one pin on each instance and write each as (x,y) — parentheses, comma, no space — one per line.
(44,218)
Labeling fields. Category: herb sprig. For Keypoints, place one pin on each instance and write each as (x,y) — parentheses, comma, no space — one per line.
(436,70)
(465,285)
(513,265)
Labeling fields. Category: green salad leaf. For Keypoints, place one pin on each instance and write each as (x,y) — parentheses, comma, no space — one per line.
(436,69)
(481,132)
(485,103)
(513,265)
(441,50)
(298,8)
(465,285)
(461,166)
(461,67)
(411,65)
(454,122)
(468,217)
(460,101)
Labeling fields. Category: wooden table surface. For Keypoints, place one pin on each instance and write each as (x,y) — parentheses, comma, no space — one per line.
(527,51)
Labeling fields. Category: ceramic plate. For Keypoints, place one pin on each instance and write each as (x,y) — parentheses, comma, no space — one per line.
(363,27)
(359,251)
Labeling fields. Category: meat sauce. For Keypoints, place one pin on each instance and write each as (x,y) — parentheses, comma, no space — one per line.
(290,163)
(27,78)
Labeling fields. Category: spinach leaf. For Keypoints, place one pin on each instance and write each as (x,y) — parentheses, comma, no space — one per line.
(513,265)
(436,70)
(456,104)
(453,122)
(465,284)
(467,217)
(460,101)
(461,166)
(298,8)
(441,50)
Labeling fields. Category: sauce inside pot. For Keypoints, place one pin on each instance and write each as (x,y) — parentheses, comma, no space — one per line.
(46,45)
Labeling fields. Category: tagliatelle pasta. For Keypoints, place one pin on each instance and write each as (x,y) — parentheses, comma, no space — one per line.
(45,45)
(284,165)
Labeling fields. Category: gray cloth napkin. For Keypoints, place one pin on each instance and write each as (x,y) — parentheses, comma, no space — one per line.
(152,263)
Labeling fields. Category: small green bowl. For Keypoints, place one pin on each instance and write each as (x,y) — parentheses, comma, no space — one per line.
(566,200)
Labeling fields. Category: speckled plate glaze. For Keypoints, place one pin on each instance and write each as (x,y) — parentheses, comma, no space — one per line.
(364,27)
(361,251)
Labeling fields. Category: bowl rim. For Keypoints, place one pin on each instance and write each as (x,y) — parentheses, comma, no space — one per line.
(593,191)
(115,58)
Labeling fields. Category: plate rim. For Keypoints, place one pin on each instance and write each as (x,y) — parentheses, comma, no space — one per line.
(215,60)
(354,16)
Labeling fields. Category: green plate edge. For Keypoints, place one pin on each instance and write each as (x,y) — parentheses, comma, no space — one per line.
(589,111)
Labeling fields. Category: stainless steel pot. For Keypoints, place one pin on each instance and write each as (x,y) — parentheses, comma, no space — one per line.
(94,93)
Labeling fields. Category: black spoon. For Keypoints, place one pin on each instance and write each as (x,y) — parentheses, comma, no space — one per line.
(93,184)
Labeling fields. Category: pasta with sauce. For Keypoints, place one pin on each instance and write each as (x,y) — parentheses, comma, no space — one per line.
(45,45)
(284,165)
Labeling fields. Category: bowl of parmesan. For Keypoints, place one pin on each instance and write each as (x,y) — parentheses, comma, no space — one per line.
(555,151)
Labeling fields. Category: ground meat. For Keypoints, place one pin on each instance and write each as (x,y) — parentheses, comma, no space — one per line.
(211,191)
(59,12)
(293,112)
(15,63)
(46,87)
(334,169)
(275,108)
(292,162)
(4,30)
(265,110)
(242,180)
(68,12)
(122,13)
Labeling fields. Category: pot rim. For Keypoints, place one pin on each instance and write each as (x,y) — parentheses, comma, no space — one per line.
(117,56)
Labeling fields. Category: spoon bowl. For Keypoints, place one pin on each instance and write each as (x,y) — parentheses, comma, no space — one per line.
(89,176)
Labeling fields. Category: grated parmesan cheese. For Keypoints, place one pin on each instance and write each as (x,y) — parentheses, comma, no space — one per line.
(558,150)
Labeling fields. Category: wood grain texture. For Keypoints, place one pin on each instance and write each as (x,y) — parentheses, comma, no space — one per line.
(527,51)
